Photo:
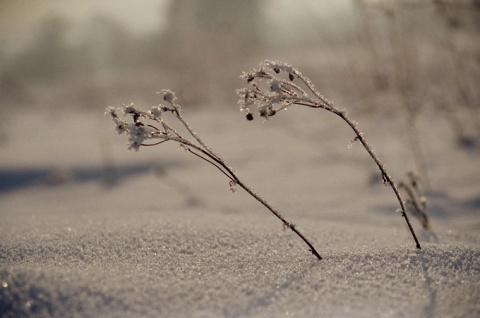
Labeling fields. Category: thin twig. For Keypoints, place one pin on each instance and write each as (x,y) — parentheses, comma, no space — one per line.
(210,162)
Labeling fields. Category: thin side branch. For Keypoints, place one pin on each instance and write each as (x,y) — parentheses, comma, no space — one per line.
(210,162)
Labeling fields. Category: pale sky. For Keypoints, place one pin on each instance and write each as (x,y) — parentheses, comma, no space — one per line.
(18,19)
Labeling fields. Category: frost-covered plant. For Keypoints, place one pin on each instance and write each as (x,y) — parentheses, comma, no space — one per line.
(276,86)
(415,200)
(150,128)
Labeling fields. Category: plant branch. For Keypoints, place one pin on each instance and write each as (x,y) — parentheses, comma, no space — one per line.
(280,96)
(139,132)
(210,162)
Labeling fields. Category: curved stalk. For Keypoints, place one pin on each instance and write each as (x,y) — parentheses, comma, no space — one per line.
(283,94)
(139,132)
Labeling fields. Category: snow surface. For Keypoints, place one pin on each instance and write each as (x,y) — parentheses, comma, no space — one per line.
(89,229)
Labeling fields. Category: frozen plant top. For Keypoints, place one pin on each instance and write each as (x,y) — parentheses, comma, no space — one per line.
(150,128)
(276,86)
(140,128)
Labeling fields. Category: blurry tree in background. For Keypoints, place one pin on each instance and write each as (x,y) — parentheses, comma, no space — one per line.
(405,58)
(206,42)
(201,52)
(48,56)
(373,55)
(107,46)
(418,57)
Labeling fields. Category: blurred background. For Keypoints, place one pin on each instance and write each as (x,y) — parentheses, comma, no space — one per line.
(86,224)
(375,57)
(87,54)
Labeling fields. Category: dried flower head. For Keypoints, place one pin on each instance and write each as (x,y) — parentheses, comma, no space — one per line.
(137,131)
(168,96)
(271,89)
(156,112)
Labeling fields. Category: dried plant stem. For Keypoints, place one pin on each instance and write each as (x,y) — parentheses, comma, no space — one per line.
(233,177)
(140,132)
(271,93)
(326,104)
(415,199)
(220,164)
(291,226)
(385,176)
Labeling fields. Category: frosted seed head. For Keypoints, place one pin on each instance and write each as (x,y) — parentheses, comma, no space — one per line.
(250,76)
(277,65)
(134,145)
(267,112)
(168,96)
(247,98)
(156,112)
(129,109)
(138,134)
(275,85)
(120,126)
(111,111)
